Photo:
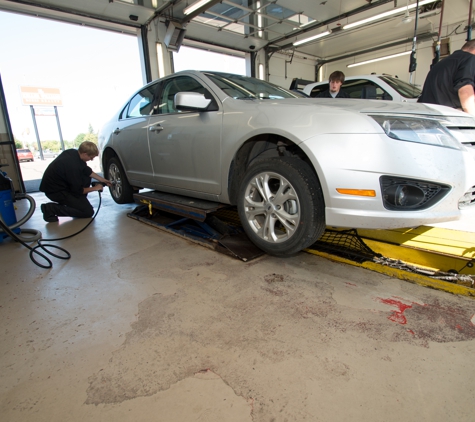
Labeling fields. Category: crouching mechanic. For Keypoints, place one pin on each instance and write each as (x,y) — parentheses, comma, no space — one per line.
(67,181)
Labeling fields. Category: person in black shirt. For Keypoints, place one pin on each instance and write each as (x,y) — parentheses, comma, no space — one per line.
(335,81)
(67,181)
(451,81)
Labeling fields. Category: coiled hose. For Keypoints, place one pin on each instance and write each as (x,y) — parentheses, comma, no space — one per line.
(36,234)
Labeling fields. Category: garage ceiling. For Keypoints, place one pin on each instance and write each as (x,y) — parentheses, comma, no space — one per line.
(249,25)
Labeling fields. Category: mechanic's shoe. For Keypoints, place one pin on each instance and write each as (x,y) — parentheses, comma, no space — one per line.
(48,214)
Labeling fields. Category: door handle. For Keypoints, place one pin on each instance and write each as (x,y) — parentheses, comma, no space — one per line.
(155,128)
(116,131)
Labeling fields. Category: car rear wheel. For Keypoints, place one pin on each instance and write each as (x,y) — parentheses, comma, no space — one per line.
(281,205)
(121,191)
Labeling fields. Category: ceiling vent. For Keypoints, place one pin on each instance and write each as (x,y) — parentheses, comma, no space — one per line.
(174,36)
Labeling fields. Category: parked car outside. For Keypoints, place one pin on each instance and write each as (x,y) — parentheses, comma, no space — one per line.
(372,87)
(24,154)
(48,154)
(291,165)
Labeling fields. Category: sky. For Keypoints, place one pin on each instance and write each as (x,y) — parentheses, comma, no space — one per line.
(96,71)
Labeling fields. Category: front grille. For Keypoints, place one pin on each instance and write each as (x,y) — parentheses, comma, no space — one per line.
(468,200)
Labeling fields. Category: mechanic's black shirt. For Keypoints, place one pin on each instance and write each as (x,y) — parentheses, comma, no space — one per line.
(326,94)
(447,77)
(67,172)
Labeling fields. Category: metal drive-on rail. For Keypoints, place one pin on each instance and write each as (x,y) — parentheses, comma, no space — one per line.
(195,220)
(433,257)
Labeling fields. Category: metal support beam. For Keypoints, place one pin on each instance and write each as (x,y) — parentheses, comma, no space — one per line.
(145,53)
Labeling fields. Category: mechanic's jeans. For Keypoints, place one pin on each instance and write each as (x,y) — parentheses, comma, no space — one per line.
(70,205)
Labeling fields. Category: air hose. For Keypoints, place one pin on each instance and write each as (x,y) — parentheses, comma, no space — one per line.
(37,235)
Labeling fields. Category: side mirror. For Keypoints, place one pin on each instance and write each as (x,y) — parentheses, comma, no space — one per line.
(191,101)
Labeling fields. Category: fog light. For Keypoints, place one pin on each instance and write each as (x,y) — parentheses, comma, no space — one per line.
(410,195)
(405,195)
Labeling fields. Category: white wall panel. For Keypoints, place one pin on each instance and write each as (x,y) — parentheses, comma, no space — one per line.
(299,68)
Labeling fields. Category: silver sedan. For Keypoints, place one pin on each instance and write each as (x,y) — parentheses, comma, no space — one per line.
(291,165)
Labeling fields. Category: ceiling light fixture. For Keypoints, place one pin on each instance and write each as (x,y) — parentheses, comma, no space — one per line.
(378,59)
(195,6)
(306,40)
(386,14)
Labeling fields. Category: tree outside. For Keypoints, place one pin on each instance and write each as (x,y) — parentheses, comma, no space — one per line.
(79,139)
(55,146)
(91,136)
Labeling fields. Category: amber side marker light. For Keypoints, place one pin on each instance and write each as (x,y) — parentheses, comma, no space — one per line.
(357,192)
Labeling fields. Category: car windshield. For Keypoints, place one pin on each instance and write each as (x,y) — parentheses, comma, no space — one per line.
(243,87)
(405,89)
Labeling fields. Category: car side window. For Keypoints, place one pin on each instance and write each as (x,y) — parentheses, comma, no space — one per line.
(363,88)
(173,86)
(318,89)
(141,104)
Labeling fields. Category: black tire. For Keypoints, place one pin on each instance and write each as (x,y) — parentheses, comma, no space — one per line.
(121,191)
(281,205)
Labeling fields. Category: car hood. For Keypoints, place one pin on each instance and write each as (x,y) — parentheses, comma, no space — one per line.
(388,107)
(302,118)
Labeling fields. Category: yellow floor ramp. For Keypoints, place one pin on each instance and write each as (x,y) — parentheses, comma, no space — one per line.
(434,257)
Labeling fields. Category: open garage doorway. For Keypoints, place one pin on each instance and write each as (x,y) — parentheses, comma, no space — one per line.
(189,58)
(95,71)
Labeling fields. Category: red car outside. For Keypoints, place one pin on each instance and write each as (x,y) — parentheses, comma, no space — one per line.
(24,155)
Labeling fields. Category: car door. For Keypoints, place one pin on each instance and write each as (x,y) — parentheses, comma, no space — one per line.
(185,146)
(130,137)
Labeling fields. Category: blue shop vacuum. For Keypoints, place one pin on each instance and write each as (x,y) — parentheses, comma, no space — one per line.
(8,219)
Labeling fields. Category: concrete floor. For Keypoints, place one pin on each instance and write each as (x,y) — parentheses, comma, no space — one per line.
(140,325)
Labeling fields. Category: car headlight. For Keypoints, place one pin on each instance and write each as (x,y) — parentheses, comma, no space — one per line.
(422,131)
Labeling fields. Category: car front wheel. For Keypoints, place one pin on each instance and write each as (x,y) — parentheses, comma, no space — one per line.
(121,190)
(281,205)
